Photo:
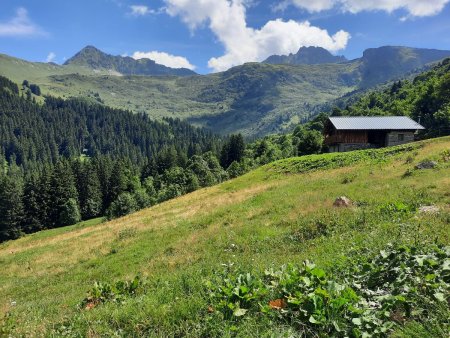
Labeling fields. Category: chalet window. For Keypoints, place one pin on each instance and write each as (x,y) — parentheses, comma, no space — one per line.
(401,137)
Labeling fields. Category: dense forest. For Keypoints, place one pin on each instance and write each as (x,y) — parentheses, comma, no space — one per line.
(33,133)
(63,161)
(69,160)
(426,98)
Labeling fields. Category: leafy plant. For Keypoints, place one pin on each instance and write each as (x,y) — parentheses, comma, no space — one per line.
(105,292)
(367,298)
(235,294)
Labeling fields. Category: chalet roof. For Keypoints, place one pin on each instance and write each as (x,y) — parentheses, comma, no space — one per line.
(374,123)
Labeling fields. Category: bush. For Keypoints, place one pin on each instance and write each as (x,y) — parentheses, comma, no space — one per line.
(235,169)
(105,292)
(123,205)
(309,141)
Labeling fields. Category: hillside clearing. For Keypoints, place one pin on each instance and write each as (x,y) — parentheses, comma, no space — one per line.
(266,218)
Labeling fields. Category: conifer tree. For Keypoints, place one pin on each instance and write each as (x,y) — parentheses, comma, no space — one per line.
(11,207)
(34,212)
(64,195)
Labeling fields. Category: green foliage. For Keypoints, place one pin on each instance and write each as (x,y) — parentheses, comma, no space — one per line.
(11,206)
(395,208)
(69,213)
(336,160)
(369,297)
(123,205)
(309,141)
(33,134)
(118,292)
(8,85)
(236,169)
(232,151)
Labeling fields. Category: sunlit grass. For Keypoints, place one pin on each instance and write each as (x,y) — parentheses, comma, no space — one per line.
(265,218)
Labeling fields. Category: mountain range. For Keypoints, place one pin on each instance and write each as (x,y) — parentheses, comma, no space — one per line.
(94,58)
(255,98)
(306,56)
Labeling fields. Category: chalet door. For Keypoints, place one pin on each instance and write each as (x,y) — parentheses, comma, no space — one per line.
(377,137)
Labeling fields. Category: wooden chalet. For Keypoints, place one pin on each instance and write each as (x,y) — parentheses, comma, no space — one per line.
(345,133)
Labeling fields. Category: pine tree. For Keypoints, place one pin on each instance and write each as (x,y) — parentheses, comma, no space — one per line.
(34,211)
(233,150)
(11,207)
(90,195)
(64,195)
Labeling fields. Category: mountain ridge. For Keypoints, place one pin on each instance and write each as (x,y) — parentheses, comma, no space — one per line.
(254,99)
(94,58)
(306,55)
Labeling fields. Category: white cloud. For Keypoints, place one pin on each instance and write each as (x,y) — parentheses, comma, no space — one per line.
(413,7)
(314,6)
(140,10)
(50,57)
(227,20)
(164,59)
(20,25)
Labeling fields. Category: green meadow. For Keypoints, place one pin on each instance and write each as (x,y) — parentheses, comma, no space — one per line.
(77,281)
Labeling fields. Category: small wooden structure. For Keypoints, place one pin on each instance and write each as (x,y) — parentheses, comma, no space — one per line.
(361,132)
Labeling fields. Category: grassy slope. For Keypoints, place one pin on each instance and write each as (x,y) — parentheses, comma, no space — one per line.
(251,221)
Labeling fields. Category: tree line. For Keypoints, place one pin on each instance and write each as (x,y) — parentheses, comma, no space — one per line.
(426,98)
(69,160)
(72,190)
(32,134)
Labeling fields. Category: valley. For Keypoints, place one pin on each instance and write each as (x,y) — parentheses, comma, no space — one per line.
(254,99)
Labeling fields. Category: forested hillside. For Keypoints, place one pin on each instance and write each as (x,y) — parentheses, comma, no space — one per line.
(63,161)
(426,98)
(69,160)
(32,133)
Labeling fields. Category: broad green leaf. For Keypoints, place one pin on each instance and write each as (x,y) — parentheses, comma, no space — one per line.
(313,320)
(439,296)
(239,312)
(357,321)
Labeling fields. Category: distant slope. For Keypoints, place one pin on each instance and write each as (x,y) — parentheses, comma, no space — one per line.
(255,99)
(393,62)
(33,133)
(306,56)
(279,214)
(426,97)
(94,58)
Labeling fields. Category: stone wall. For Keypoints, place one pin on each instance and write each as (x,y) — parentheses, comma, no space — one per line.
(395,138)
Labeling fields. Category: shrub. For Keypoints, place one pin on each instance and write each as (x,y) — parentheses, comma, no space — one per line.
(106,292)
(123,205)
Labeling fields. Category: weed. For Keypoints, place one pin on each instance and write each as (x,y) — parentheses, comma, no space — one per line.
(348,178)
(409,172)
(369,297)
(126,233)
(105,292)
(445,155)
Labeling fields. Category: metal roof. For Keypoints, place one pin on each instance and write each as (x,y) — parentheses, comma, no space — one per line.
(374,123)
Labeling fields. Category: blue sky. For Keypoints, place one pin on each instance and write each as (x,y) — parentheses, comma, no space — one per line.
(213,35)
